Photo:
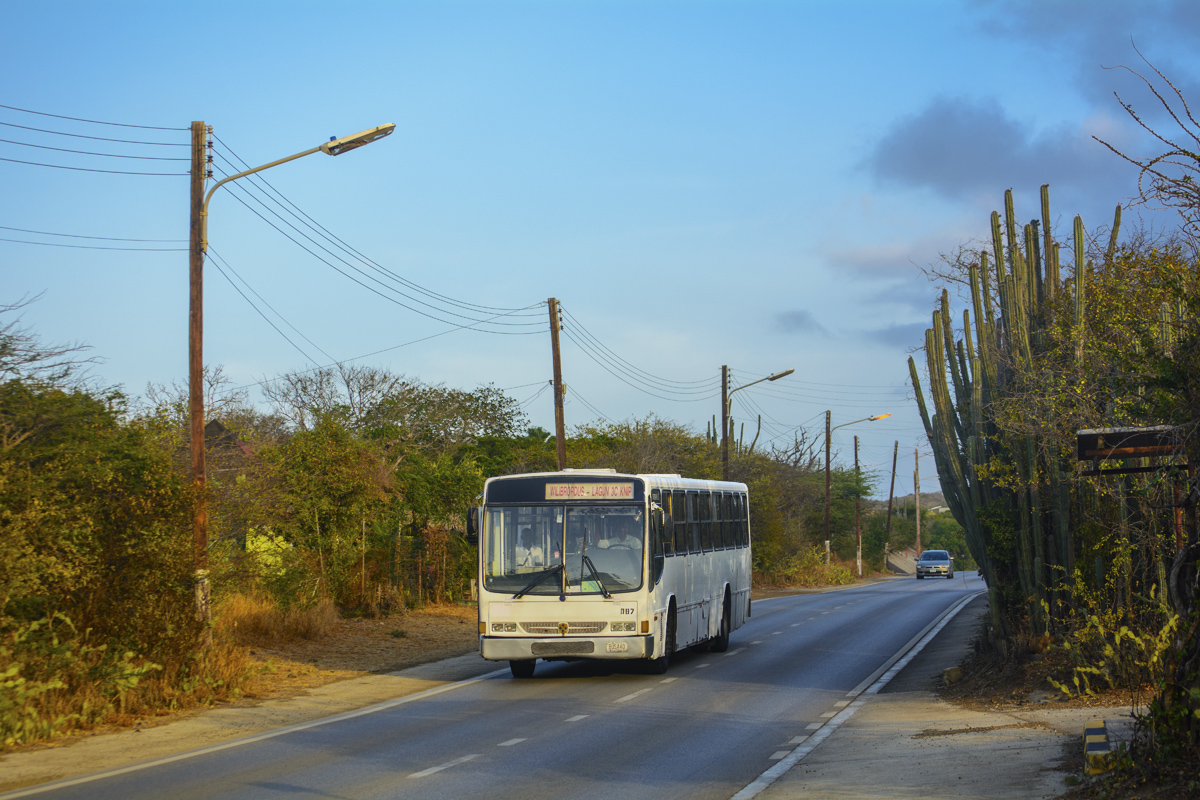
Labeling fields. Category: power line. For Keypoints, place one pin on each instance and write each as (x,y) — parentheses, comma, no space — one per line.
(372,353)
(78,236)
(372,278)
(296,212)
(236,288)
(94,138)
(99,247)
(591,407)
(89,153)
(90,121)
(273,310)
(471,325)
(86,169)
(650,376)
(624,380)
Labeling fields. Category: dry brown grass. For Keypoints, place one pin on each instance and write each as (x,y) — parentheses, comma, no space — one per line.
(257,620)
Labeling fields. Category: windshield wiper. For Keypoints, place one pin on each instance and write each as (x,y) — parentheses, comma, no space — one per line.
(539,579)
(587,562)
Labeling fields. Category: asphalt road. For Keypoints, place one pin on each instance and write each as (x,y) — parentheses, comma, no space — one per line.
(706,729)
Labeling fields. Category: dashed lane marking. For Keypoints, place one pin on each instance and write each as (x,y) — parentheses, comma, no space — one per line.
(841,704)
(797,740)
(441,767)
(702,666)
(629,697)
(812,726)
(668,680)
(577,717)
(778,754)
(511,742)
(734,652)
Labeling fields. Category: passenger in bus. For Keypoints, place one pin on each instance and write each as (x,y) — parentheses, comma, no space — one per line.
(621,535)
(528,553)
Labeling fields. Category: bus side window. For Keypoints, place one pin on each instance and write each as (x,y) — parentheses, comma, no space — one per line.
(731,539)
(719,536)
(662,536)
(735,519)
(693,518)
(679,511)
(704,500)
(744,519)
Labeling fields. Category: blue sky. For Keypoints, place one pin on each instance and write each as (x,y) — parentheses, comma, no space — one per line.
(755,184)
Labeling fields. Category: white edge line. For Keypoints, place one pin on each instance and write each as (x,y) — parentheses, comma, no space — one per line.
(46,787)
(898,662)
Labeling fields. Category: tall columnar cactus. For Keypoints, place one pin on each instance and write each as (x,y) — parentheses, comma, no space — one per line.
(968,375)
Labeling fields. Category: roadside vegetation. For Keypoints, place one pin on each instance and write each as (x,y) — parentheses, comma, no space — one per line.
(1093,573)
(345,497)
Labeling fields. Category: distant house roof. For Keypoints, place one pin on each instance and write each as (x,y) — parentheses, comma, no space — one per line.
(218,437)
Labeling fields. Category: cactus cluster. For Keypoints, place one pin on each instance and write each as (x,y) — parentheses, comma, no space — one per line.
(1014,289)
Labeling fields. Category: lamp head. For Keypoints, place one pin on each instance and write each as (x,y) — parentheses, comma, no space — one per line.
(335,147)
(783,374)
(879,416)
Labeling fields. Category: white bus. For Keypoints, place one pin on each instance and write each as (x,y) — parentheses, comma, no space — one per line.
(595,564)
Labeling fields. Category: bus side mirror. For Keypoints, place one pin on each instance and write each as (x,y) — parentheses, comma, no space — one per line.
(473,525)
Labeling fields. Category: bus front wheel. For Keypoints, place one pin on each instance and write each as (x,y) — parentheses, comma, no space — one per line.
(720,642)
(522,669)
(659,665)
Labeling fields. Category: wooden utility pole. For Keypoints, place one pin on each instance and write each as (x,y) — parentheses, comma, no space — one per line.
(887,537)
(857,515)
(196,370)
(827,416)
(917,494)
(560,428)
(725,422)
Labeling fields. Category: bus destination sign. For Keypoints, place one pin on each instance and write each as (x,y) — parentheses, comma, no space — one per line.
(589,491)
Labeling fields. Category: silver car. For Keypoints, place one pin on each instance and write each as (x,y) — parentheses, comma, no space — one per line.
(934,563)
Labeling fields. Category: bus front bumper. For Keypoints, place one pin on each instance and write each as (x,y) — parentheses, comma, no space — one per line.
(511,648)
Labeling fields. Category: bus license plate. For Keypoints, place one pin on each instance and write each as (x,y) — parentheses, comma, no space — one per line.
(617,647)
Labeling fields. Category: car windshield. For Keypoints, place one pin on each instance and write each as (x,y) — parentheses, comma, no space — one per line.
(524,544)
(935,555)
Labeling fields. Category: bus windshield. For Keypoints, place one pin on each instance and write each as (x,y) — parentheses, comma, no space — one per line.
(602,553)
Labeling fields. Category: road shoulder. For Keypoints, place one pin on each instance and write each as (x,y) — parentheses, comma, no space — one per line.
(88,755)
(907,742)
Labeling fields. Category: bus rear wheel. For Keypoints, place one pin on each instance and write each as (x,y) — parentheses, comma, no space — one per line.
(522,669)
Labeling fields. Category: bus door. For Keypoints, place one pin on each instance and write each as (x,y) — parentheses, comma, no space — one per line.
(683,570)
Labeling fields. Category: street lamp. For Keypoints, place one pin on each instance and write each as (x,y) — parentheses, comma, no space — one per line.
(197,249)
(727,404)
(828,431)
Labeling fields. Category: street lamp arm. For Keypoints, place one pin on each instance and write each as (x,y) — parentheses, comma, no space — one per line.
(224,181)
(333,147)
(775,377)
(866,419)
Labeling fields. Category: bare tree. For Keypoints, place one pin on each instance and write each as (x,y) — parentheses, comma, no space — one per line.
(1169,178)
(24,356)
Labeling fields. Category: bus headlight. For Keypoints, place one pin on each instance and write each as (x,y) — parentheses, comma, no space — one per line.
(624,626)
(504,627)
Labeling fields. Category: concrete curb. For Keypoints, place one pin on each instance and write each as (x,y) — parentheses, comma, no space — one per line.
(1099,753)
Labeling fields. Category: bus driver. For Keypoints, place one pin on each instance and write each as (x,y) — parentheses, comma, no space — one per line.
(621,535)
